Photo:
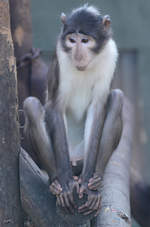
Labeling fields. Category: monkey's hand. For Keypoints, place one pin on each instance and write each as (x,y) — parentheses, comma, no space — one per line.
(95,182)
(93,202)
(55,187)
(65,197)
(94,198)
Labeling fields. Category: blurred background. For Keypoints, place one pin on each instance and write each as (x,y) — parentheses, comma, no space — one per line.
(131,28)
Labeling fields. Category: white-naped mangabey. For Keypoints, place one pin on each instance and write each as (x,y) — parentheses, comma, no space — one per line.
(75,133)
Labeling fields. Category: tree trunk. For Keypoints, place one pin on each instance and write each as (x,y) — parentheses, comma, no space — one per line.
(21,28)
(31,70)
(10,208)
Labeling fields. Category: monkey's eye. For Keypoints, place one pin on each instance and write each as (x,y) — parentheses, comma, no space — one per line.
(72,40)
(84,40)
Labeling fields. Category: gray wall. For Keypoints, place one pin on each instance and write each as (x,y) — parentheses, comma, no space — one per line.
(130,20)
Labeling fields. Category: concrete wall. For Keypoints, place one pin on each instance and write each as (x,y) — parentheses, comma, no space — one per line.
(130,20)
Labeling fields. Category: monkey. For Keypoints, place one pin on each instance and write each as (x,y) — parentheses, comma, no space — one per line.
(70,133)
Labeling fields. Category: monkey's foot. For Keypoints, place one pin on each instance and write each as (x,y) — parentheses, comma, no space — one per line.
(84,208)
(92,205)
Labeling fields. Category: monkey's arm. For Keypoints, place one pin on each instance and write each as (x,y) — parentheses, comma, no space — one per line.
(109,140)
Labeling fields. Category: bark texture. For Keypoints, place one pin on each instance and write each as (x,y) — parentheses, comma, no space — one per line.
(22,37)
(10,209)
(31,70)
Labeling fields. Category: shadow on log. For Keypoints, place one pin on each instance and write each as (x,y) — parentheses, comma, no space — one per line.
(37,201)
(140,199)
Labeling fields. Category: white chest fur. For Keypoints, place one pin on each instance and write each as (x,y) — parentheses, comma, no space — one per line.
(78,88)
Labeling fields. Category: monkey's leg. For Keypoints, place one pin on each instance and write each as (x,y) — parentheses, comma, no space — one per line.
(36,133)
(109,141)
(57,132)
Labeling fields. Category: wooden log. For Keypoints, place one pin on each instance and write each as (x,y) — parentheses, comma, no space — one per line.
(10,207)
(115,208)
(37,201)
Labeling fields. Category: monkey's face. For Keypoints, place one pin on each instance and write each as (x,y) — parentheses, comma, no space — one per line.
(84,34)
(80,49)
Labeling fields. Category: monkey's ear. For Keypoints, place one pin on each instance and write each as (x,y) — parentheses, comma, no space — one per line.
(106,21)
(63,18)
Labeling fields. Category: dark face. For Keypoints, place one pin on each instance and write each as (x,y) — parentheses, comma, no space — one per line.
(83,36)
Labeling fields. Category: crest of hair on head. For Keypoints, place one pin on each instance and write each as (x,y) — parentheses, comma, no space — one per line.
(88,8)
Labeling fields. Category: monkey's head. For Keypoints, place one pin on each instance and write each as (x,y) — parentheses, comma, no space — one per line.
(85,32)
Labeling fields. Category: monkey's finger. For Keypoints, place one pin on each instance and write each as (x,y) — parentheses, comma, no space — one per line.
(88,212)
(62,200)
(54,190)
(81,191)
(95,179)
(76,178)
(94,186)
(70,197)
(92,199)
(95,203)
(87,206)
(76,186)
(98,209)
(58,201)
(57,184)
(84,208)
(92,203)
(80,181)
(67,204)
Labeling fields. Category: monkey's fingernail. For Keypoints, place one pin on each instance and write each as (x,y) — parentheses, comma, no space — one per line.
(80,196)
(75,178)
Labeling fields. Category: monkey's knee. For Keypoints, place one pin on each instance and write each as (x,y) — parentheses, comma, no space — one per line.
(33,109)
(116,99)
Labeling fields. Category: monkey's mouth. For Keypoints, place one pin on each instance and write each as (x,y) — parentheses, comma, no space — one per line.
(81,68)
